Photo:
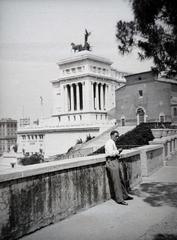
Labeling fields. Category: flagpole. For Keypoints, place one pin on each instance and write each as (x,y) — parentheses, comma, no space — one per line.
(41,106)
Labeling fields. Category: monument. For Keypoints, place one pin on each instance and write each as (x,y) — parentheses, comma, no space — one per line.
(82,95)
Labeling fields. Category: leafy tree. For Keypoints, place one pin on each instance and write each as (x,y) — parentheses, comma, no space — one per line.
(153,32)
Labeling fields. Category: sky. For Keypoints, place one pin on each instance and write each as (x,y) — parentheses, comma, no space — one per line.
(36,34)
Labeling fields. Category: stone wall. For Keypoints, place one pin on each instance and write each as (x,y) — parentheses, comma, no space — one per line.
(169,144)
(35,196)
(151,159)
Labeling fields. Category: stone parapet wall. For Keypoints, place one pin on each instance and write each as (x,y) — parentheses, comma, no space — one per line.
(169,144)
(151,159)
(35,196)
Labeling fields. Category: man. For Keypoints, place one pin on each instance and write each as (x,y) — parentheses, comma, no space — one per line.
(113,167)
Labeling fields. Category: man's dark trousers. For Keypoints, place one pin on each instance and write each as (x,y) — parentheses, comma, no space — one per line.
(113,167)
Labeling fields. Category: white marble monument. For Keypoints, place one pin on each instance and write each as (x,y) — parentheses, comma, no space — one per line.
(82,95)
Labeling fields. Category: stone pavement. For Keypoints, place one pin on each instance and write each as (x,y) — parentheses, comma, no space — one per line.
(152,215)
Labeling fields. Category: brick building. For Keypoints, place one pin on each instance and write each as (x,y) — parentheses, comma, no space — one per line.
(146,98)
(8,134)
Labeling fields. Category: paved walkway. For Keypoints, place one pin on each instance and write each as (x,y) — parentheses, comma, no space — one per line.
(152,215)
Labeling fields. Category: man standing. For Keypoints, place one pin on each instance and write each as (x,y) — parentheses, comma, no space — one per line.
(113,167)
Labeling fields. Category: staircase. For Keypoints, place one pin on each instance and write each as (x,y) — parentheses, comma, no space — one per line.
(88,147)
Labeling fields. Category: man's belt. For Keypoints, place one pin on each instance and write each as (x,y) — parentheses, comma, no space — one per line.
(111,158)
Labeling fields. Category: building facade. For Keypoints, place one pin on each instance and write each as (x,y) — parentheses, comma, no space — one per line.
(82,95)
(146,98)
(8,134)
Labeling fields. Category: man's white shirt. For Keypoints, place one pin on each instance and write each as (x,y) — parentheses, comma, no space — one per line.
(110,148)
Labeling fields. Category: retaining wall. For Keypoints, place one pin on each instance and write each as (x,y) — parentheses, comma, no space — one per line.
(35,196)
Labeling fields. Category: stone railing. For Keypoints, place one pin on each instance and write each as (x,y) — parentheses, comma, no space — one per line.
(169,144)
(37,195)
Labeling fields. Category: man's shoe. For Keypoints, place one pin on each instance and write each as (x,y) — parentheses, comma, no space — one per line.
(123,203)
(129,198)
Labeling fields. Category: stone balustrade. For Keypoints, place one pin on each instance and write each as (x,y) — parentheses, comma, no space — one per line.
(169,144)
(37,195)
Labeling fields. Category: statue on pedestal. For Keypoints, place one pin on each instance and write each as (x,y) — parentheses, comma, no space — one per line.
(86,46)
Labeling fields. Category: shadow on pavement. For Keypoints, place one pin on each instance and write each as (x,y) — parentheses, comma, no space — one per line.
(165,237)
(158,194)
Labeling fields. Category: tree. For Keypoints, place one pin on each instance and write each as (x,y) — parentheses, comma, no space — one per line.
(153,32)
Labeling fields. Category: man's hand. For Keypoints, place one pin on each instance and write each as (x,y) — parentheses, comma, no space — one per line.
(120,150)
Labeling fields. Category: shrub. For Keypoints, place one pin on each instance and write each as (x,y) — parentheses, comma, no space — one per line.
(79,141)
(33,159)
(88,138)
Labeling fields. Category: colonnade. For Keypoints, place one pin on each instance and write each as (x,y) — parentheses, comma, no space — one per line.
(100,93)
(78,95)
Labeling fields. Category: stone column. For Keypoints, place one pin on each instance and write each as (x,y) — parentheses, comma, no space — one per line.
(65,98)
(78,97)
(175,144)
(97,96)
(106,96)
(92,97)
(172,145)
(72,97)
(84,100)
(68,96)
(102,97)
(168,149)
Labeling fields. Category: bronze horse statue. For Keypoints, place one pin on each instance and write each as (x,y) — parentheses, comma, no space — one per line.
(86,46)
(77,47)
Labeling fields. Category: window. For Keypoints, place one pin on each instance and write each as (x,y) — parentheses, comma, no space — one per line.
(73,70)
(122,121)
(175,111)
(41,136)
(24,137)
(94,69)
(99,70)
(140,115)
(161,117)
(140,93)
(79,69)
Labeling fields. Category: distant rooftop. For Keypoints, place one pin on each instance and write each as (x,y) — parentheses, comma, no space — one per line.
(7,120)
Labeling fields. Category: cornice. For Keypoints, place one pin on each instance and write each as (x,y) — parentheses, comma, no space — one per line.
(84,55)
(74,77)
(58,129)
(80,113)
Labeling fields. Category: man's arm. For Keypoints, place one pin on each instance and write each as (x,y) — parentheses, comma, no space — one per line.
(120,150)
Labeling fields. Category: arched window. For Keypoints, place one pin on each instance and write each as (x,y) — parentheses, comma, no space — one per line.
(123,121)
(161,117)
(140,115)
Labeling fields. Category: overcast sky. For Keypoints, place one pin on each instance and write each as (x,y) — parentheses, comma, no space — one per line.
(35,34)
